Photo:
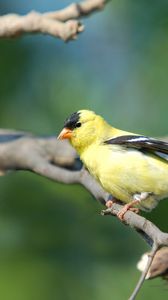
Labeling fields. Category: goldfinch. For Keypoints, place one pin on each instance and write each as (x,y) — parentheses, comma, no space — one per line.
(132,168)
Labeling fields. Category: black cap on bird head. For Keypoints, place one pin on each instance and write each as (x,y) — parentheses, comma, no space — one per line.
(73,121)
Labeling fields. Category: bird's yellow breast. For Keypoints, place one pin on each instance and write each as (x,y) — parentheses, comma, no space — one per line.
(125,172)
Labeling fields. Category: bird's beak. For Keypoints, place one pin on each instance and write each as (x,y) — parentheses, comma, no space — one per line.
(65,134)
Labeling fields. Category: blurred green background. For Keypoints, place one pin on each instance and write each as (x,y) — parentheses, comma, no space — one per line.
(53,242)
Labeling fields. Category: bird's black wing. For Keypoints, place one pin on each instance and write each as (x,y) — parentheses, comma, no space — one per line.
(141,143)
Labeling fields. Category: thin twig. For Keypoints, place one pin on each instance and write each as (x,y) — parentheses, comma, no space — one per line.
(144,273)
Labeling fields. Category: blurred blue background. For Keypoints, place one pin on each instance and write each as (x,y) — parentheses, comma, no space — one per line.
(53,242)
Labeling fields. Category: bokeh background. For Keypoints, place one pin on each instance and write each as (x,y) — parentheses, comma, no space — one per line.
(53,242)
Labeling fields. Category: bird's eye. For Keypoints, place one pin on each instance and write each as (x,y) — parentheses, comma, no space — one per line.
(78,125)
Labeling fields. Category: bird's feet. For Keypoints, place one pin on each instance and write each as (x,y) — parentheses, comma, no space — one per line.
(137,198)
(127,207)
(124,209)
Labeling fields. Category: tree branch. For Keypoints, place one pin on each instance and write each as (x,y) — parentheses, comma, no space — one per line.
(58,161)
(60,24)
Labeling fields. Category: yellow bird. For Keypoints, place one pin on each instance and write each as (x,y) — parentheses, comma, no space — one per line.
(132,168)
